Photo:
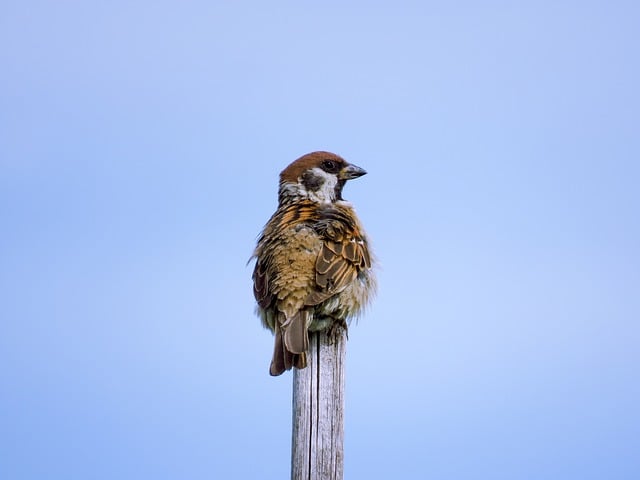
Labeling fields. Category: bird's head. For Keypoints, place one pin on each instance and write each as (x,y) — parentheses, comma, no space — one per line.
(316,176)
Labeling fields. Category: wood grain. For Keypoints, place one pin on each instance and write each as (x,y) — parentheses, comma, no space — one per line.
(318,409)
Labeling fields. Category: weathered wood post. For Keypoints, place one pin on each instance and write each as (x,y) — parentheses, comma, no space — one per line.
(317,451)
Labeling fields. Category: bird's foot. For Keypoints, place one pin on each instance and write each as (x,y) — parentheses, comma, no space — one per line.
(335,330)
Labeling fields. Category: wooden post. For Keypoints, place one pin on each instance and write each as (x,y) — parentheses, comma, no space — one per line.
(317,451)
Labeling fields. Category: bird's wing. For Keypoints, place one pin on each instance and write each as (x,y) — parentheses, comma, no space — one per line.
(343,255)
(261,285)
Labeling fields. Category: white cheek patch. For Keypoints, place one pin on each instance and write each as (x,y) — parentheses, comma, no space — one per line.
(315,185)
(326,193)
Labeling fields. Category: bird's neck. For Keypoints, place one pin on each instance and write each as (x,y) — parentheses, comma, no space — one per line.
(295,192)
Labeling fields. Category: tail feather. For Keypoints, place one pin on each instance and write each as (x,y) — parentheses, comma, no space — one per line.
(300,360)
(296,338)
(278,362)
(291,343)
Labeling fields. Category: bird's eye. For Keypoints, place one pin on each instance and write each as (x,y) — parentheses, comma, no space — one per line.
(329,166)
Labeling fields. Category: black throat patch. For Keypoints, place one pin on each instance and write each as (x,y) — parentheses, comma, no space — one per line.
(338,188)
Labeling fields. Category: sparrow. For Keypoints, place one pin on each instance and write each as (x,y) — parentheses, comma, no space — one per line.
(313,267)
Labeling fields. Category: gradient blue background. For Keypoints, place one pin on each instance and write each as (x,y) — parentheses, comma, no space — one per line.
(140,144)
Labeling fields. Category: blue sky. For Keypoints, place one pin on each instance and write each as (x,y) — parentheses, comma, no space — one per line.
(140,144)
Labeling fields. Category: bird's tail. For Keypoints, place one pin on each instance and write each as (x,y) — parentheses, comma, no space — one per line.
(291,342)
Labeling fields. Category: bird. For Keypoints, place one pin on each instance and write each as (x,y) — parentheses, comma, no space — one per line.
(314,268)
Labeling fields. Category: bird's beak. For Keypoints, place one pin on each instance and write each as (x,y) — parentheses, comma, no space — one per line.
(351,171)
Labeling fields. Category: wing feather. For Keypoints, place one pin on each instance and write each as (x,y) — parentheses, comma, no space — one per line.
(343,255)
(261,286)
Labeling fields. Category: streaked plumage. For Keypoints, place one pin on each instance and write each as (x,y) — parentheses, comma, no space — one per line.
(313,263)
